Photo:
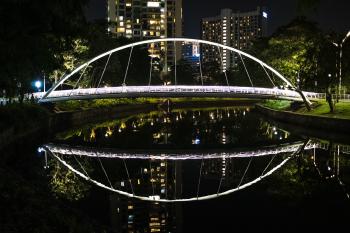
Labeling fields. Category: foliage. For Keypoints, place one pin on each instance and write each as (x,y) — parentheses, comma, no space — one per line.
(278,104)
(32,34)
(26,202)
(294,51)
(66,184)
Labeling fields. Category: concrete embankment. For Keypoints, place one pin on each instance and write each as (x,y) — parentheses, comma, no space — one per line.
(325,124)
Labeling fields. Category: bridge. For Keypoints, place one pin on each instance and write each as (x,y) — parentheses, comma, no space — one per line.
(279,87)
(175,154)
(276,156)
(279,155)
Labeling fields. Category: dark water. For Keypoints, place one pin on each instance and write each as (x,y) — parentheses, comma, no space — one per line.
(189,170)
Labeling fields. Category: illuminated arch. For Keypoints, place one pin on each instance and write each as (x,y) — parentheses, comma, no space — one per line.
(110,52)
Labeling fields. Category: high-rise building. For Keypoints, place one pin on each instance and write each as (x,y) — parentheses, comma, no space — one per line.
(234,29)
(148,19)
(191,53)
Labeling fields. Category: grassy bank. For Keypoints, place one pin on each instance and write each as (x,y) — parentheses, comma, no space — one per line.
(341,110)
(321,108)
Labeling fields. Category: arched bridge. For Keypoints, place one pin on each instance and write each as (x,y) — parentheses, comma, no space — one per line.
(85,83)
(281,154)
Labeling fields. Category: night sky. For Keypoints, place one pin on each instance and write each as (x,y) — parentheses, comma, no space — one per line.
(331,14)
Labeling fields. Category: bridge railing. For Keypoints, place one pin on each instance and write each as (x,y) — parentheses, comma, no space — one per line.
(188,89)
(174,89)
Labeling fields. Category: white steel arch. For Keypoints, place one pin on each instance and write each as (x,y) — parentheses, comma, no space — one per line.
(145,198)
(294,151)
(110,52)
(167,40)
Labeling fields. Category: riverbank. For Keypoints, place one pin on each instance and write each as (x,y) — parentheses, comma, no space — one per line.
(314,119)
(21,121)
(320,108)
(25,121)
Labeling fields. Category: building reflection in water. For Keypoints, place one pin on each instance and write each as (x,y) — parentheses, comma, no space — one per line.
(199,173)
(160,180)
(168,179)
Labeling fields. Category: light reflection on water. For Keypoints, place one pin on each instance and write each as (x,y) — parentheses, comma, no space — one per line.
(187,156)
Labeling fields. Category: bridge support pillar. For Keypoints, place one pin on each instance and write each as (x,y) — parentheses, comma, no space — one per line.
(306,101)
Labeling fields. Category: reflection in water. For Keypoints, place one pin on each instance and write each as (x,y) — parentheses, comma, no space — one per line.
(149,160)
(225,127)
(159,179)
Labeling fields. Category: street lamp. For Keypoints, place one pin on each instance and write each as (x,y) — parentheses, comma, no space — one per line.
(340,46)
(37,84)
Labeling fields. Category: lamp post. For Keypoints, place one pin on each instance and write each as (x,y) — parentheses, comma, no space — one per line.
(340,46)
(44,83)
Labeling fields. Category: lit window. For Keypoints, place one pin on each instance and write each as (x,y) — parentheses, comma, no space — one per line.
(153,4)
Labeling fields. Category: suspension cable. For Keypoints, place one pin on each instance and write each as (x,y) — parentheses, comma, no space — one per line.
(224,70)
(81,166)
(104,69)
(273,157)
(104,171)
(200,69)
(250,161)
(175,61)
(273,84)
(127,172)
(222,177)
(76,84)
(246,70)
(200,175)
(127,67)
(150,72)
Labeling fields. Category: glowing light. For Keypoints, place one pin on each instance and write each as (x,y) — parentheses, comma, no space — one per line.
(153,4)
(264,14)
(37,84)
(90,152)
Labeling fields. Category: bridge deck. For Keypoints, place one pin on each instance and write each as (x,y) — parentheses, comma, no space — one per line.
(172,91)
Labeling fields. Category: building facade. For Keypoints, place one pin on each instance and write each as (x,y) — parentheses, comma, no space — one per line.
(191,53)
(234,29)
(148,19)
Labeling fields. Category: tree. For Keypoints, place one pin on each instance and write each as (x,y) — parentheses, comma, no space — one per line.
(184,72)
(294,51)
(32,33)
(65,183)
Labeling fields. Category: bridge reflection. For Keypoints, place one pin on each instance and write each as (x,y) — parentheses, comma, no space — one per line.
(157,176)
